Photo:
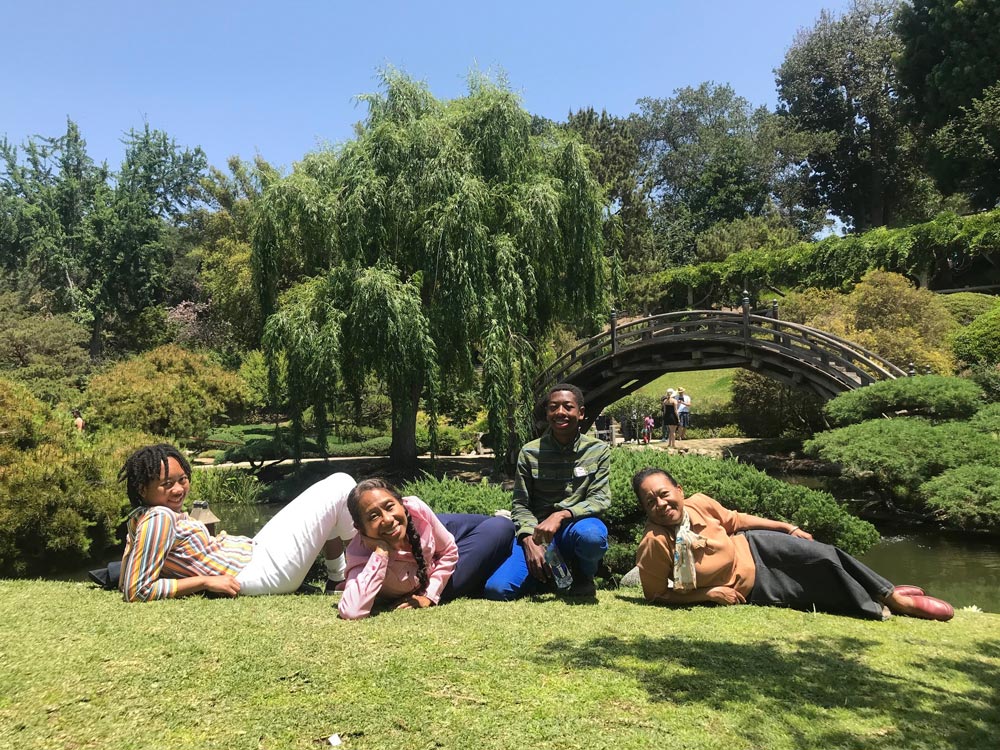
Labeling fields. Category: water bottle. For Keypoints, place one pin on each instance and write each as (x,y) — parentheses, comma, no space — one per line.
(558,566)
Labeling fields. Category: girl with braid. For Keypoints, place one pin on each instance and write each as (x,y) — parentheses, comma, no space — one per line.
(407,557)
(168,554)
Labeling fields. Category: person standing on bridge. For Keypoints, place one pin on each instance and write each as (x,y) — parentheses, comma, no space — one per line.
(561,487)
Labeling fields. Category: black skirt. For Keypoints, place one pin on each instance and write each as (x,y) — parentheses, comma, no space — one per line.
(803,574)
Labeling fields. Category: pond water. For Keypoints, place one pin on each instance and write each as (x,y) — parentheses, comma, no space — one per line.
(963,569)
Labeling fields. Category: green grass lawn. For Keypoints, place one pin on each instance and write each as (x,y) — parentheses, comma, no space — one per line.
(709,389)
(81,669)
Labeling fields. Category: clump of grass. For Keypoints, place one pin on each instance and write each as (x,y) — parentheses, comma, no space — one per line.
(226,486)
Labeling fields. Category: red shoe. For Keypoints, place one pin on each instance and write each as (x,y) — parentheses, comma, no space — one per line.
(930,608)
(908,590)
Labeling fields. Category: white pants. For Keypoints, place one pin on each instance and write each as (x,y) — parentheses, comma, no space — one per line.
(285,549)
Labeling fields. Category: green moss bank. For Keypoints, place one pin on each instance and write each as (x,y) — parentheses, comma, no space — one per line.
(82,669)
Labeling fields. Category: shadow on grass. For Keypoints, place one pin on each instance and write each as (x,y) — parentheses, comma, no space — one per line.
(814,681)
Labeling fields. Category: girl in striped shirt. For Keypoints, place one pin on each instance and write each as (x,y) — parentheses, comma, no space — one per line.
(168,554)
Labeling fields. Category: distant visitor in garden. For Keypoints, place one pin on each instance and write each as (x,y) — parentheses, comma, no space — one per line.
(683,413)
(670,417)
(695,550)
(168,554)
(560,489)
(407,557)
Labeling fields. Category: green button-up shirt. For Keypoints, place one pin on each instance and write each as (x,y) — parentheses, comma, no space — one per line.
(552,477)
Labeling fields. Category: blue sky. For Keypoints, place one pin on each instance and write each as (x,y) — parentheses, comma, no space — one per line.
(280,78)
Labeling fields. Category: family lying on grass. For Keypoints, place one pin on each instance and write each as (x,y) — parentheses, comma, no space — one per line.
(401,555)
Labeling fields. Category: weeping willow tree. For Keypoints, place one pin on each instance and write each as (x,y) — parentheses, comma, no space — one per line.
(449,238)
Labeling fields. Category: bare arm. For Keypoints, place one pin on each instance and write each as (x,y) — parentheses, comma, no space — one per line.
(750,523)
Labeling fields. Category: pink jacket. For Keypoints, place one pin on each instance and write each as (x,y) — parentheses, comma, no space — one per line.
(371,576)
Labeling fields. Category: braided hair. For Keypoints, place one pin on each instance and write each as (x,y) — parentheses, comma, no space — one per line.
(145,465)
(353,507)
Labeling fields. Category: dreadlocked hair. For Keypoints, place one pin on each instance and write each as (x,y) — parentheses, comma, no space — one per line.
(145,465)
(353,507)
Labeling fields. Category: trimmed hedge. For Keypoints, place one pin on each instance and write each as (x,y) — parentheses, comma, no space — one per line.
(965,307)
(967,497)
(901,454)
(979,342)
(933,396)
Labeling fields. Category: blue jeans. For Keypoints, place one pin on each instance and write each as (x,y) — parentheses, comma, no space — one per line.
(582,544)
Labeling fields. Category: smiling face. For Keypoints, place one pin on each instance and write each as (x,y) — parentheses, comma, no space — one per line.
(563,413)
(382,517)
(662,500)
(169,490)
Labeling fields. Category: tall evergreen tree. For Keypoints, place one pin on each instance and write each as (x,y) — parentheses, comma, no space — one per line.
(838,82)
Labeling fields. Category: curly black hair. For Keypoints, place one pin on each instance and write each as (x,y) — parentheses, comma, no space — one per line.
(145,465)
(353,507)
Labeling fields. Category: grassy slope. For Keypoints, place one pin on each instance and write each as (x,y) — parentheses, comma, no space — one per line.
(81,669)
(707,388)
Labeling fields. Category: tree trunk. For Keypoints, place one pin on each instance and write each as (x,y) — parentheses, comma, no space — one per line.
(97,337)
(403,453)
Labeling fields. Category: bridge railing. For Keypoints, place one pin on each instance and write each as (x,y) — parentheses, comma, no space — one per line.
(810,344)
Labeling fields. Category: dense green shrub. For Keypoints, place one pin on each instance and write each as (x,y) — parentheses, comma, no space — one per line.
(933,396)
(377,446)
(60,503)
(350,433)
(987,420)
(967,497)
(455,496)
(740,487)
(986,377)
(167,391)
(831,263)
(979,342)
(965,307)
(901,454)
(763,407)
(884,313)
(47,353)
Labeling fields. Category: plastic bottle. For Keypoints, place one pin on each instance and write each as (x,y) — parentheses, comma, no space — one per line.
(558,566)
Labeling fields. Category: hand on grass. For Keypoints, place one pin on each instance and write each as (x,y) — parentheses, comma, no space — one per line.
(725,595)
(415,601)
(224,584)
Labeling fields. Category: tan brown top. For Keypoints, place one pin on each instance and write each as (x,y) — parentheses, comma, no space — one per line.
(725,561)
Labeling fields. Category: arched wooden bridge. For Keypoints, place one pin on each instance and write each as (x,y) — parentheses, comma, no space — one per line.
(615,363)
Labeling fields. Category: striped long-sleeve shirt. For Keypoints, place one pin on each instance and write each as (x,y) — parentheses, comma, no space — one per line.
(552,477)
(163,546)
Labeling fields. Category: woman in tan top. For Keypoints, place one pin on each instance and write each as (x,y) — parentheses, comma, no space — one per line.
(695,550)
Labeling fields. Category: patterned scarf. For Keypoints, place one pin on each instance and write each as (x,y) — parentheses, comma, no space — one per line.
(685,543)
